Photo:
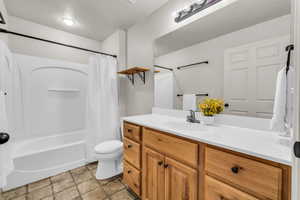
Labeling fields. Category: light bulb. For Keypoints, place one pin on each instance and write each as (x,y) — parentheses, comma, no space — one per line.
(68,21)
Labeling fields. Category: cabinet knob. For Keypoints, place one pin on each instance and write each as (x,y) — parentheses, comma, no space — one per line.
(129,146)
(166,166)
(4,137)
(223,198)
(129,171)
(129,130)
(160,163)
(236,169)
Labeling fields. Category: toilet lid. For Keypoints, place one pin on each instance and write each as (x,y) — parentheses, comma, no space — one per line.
(111,146)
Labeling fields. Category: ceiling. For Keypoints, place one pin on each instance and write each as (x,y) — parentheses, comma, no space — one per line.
(238,15)
(95,19)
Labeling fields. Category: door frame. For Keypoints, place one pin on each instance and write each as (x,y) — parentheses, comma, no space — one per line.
(296,129)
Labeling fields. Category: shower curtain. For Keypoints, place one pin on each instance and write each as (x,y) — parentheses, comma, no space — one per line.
(10,109)
(103,106)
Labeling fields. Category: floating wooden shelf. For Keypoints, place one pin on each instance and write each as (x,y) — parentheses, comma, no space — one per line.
(156,71)
(135,70)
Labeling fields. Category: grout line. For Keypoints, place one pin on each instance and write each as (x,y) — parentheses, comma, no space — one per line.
(76,186)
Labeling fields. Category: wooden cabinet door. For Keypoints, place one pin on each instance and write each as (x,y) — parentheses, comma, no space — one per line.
(180,181)
(153,175)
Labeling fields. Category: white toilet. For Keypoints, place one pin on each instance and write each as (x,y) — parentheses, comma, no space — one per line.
(109,155)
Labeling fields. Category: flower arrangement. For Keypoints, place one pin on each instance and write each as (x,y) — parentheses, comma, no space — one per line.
(210,107)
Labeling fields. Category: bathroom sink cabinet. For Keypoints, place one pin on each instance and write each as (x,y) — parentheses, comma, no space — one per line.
(162,166)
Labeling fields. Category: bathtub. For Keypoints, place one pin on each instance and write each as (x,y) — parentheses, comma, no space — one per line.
(39,158)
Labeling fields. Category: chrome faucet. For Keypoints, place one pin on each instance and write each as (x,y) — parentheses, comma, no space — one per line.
(192,117)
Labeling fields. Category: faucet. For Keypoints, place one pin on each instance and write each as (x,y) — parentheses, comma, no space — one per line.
(192,118)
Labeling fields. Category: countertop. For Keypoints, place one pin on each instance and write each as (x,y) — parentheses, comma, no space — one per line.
(258,143)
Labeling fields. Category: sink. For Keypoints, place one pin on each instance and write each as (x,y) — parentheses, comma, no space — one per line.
(186,126)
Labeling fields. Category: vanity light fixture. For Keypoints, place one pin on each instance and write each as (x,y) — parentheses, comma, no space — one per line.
(196,7)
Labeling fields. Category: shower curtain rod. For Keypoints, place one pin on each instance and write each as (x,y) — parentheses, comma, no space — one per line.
(53,42)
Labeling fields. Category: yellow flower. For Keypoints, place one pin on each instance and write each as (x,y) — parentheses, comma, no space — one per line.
(210,107)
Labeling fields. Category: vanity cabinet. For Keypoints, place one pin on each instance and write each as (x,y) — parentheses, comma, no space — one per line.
(132,157)
(216,190)
(153,181)
(250,175)
(162,166)
(167,179)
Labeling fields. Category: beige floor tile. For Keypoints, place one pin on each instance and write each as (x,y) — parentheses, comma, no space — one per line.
(62,181)
(122,195)
(61,177)
(104,182)
(93,172)
(40,193)
(23,197)
(79,170)
(113,187)
(98,194)
(38,184)
(14,193)
(84,176)
(68,194)
(88,186)
(49,198)
(92,165)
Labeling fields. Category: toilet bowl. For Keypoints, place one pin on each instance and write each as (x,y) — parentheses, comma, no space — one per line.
(109,155)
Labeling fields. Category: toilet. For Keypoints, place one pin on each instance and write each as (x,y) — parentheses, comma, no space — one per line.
(109,155)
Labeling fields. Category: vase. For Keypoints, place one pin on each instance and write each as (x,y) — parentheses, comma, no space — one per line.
(208,120)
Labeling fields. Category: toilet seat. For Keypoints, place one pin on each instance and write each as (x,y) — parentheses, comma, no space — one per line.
(109,147)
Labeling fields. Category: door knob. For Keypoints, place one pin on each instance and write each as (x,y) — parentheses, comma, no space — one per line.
(4,137)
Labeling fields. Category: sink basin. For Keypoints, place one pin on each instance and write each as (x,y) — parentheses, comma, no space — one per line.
(186,126)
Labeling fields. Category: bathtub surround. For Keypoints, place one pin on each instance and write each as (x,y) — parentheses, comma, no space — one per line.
(103,105)
(7,112)
(79,183)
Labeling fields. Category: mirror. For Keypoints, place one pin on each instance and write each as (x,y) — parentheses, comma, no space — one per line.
(232,54)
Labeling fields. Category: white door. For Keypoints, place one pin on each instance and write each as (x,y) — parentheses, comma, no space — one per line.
(250,73)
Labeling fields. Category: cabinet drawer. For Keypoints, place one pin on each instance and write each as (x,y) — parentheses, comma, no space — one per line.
(216,190)
(132,131)
(179,149)
(132,178)
(132,152)
(253,176)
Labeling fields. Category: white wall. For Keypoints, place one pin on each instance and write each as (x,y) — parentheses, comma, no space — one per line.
(116,45)
(38,48)
(140,40)
(210,78)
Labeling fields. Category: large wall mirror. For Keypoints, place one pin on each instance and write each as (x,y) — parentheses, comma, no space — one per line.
(232,54)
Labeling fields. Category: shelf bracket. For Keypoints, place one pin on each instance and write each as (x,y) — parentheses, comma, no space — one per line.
(131,78)
(142,75)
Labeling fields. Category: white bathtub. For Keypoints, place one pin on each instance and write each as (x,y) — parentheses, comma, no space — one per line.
(36,159)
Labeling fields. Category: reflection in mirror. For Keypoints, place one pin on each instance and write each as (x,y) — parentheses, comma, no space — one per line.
(233,54)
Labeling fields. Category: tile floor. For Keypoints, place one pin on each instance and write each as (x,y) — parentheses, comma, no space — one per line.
(77,184)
